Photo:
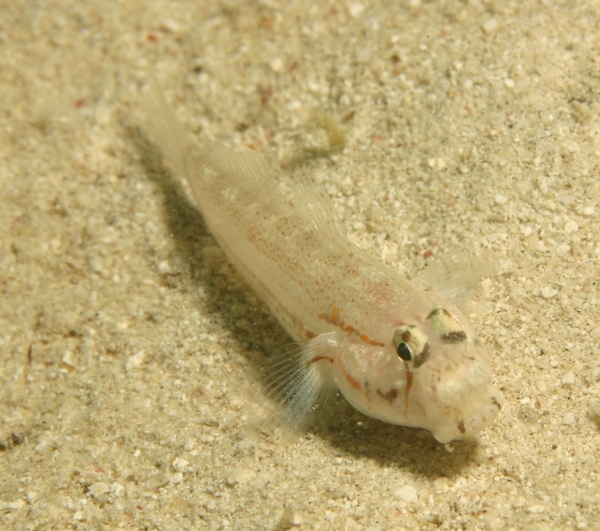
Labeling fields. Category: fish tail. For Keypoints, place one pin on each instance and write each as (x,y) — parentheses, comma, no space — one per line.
(165,128)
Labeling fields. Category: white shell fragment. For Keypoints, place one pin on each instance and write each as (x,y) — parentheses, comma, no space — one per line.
(548,292)
(240,475)
(99,488)
(135,360)
(568,379)
(407,494)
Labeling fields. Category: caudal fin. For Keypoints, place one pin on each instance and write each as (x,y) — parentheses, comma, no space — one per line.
(164,127)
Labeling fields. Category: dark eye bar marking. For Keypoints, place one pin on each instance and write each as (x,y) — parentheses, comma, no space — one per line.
(421,357)
(454,337)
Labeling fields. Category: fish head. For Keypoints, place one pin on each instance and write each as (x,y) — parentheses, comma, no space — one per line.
(432,373)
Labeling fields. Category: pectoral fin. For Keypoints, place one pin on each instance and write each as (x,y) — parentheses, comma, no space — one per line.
(294,384)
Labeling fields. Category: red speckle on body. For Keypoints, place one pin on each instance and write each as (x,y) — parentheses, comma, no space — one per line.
(335,314)
(348,377)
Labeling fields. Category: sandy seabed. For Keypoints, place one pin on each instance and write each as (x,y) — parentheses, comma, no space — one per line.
(126,339)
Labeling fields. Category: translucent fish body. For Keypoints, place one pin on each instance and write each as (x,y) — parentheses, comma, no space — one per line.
(397,353)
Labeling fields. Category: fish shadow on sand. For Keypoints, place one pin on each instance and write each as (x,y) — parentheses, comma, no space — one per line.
(412,449)
(202,265)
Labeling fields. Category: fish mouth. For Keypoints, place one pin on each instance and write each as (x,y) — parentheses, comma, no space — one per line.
(461,425)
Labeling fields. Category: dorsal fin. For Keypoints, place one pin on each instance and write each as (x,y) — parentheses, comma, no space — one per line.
(456,276)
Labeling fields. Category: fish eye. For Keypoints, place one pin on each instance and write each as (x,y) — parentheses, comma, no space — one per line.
(411,345)
(403,351)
